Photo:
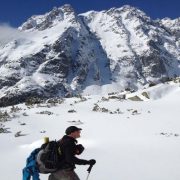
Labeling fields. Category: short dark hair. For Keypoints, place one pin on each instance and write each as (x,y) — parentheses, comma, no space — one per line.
(72,129)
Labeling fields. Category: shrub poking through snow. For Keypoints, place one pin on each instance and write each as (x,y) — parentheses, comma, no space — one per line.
(135,112)
(25,114)
(82,99)
(3,129)
(117,111)
(15,109)
(19,133)
(4,116)
(71,111)
(151,84)
(169,134)
(45,112)
(104,99)
(55,101)
(43,131)
(104,110)
(78,122)
(177,80)
(96,108)
(32,101)
(112,93)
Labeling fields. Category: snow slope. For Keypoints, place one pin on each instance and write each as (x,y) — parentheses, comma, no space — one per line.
(142,145)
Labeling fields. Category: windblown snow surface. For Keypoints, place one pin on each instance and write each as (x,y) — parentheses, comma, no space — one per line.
(141,142)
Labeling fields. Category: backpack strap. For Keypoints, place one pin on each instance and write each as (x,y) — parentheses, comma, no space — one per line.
(60,142)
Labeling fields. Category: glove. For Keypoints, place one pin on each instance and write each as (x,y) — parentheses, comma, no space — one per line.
(92,162)
(79,149)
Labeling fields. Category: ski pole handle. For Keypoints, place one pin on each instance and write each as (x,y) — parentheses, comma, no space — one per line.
(89,168)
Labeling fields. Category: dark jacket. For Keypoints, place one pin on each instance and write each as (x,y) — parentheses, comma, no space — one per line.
(68,148)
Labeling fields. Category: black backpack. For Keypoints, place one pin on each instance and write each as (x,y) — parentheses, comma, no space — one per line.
(48,157)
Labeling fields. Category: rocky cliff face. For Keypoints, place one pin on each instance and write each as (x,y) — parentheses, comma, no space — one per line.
(62,52)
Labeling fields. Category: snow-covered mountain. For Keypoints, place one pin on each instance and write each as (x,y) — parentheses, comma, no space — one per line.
(62,53)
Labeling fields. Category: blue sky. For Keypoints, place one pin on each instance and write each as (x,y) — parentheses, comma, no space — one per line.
(15,12)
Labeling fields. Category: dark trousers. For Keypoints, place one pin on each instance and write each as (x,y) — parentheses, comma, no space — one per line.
(64,174)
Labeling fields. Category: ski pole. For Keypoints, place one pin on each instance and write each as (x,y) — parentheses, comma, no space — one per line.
(89,170)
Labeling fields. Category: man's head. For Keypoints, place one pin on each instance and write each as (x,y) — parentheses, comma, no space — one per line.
(73,131)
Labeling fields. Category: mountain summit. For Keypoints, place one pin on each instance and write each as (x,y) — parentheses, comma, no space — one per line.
(62,53)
